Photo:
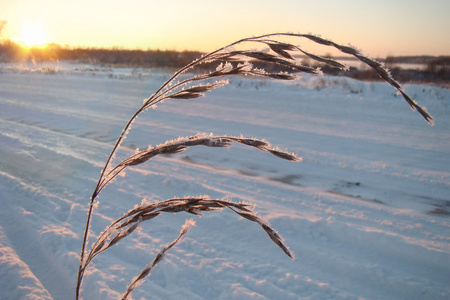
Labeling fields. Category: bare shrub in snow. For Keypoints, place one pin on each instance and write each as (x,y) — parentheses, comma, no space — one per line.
(235,59)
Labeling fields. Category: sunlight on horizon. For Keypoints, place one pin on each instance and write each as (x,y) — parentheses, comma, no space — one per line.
(33,35)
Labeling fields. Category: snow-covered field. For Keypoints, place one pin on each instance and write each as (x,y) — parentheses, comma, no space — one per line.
(367,211)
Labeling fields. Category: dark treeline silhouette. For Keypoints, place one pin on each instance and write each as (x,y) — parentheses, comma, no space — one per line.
(437,68)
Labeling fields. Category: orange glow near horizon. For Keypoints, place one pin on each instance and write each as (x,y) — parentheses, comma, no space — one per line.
(378,28)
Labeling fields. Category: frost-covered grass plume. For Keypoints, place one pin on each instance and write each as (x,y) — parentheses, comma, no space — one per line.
(254,56)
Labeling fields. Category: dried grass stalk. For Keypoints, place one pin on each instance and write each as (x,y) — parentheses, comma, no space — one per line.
(280,53)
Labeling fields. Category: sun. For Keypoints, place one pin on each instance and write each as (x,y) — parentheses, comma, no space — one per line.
(33,35)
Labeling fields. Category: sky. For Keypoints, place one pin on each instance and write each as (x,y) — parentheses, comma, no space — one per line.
(379,28)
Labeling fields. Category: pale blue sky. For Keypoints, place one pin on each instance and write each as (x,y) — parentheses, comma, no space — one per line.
(379,28)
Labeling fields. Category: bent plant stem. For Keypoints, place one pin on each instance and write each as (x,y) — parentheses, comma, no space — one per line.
(119,141)
(95,194)
(116,146)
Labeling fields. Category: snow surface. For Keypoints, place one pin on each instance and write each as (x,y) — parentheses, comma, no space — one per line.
(366,212)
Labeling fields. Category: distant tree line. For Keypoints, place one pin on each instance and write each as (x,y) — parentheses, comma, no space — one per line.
(437,68)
